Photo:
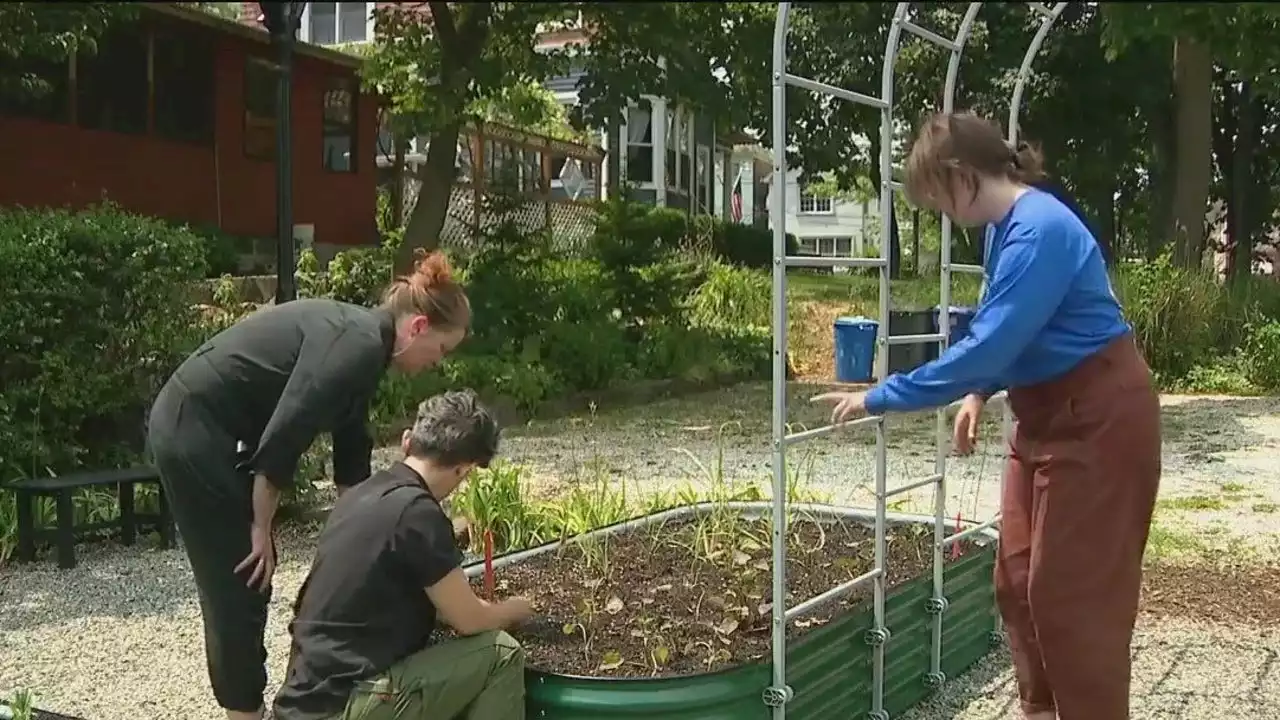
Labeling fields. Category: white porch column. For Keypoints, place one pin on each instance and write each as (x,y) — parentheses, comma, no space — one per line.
(729,171)
(660,140)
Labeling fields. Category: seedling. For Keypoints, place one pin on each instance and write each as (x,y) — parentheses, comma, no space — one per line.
(21,707)
(586,613)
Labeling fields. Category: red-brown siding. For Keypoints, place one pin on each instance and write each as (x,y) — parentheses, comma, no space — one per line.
(65,165)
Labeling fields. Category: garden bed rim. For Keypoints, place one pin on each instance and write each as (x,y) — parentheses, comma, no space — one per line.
(752,510)
(756,510)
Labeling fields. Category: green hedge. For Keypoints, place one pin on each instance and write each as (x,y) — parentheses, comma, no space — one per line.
(627,308)
(94,314)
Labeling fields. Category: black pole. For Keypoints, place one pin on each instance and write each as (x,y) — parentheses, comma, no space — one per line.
(282,19)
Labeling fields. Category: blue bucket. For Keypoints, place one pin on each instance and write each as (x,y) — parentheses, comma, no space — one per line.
(855,340)
(960,318)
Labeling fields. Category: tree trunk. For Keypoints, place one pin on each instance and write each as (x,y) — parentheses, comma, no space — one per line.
(397,182)
(1242,184)
(1105,203)
(1159,215)
(1224,142)
(1193,83)
(439,170)
(895,243)
(915,242)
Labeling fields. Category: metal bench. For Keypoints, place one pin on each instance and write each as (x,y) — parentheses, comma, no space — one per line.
(65,532)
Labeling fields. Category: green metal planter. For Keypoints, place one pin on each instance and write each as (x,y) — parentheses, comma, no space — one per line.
(829,669)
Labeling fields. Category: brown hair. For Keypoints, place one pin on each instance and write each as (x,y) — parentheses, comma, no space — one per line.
(964,145)
(429,290)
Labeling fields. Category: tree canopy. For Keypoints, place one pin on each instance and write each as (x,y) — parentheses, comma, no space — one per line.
(1143,164)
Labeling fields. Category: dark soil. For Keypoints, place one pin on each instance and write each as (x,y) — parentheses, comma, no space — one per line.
(691,596)
(1224,593)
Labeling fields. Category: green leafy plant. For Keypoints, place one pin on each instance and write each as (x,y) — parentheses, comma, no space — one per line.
(21,707)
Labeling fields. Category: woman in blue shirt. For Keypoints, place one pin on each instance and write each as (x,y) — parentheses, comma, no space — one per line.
(1080,484)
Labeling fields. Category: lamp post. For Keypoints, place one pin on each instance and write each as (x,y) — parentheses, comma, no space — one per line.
(282,20)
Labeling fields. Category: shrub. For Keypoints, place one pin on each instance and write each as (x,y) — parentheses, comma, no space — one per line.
(1261,355)
(733,296)
(748,245)
(1174,313)
(96,313)
(358,275)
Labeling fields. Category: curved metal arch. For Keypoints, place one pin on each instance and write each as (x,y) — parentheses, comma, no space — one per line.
(1049,17)
(779,693)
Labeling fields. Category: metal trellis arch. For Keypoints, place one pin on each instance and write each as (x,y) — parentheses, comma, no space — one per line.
(779,693)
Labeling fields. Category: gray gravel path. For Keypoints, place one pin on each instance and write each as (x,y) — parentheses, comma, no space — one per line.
(120,635)
(1181,671)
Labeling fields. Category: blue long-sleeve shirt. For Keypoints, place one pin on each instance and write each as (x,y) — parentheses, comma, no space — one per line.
(1048,306)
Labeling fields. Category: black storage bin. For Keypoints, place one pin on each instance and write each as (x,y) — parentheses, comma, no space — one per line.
(904,358)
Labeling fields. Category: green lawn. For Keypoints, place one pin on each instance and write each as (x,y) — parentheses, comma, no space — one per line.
(862,289)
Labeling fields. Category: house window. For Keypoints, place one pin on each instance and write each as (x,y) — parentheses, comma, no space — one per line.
(826,246)
(112,87)
(811,205)
(182,68)
(259,110)
(640,142)
(685,146)
(340,124)
(330,23)
(704,179)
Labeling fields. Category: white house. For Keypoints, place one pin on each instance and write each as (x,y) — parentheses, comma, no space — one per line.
(668,154)
(829,227)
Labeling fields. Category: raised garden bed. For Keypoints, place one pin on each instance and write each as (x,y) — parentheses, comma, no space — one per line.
(669,616)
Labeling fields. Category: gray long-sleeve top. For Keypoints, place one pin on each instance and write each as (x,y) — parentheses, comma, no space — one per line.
(283,375)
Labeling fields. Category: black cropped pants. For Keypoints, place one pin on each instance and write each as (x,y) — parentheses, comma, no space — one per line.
(212,506)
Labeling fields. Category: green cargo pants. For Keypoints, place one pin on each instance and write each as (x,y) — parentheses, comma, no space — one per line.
(472,678)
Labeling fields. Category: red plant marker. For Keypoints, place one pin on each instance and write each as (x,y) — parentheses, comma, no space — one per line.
(955,546)
(488,564)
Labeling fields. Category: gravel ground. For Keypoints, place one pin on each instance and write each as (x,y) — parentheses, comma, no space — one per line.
(1177,675)
(109,639)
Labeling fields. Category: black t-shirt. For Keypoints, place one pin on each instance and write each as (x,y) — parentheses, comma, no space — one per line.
(364,605)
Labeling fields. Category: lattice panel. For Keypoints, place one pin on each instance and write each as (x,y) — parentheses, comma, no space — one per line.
(571,223)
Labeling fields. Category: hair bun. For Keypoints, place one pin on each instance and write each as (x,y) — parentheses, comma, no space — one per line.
(431,269)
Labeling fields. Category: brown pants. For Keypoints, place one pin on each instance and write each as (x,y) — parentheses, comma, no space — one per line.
(1079,490)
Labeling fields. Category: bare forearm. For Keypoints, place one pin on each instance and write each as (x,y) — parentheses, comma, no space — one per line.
(266,498)
(492,616)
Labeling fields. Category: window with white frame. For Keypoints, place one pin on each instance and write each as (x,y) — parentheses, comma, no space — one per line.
(838,246)
(640,142)
(331,23)
(704,180)
(339,114)
(811,205)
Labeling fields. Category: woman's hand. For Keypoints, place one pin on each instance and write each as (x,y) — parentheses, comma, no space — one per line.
(964,434)
(848,405)
(261,562)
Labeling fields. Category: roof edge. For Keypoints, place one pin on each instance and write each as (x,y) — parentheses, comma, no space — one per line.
(238,29)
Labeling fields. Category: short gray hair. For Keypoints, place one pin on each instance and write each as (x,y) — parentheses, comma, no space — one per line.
(454,428)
